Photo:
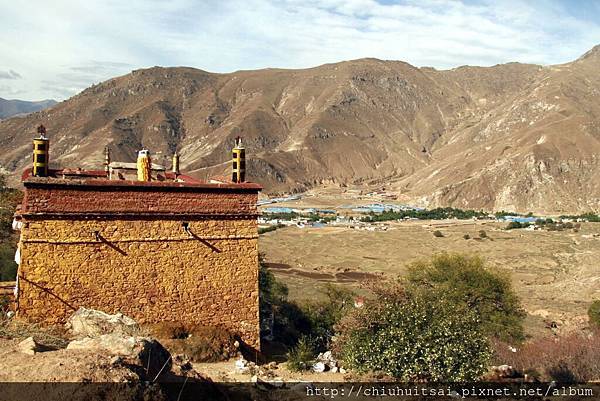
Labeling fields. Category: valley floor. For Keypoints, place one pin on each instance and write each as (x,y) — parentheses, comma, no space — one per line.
(556,273)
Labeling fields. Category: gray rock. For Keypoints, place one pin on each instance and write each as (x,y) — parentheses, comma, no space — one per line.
(319,367)
(92,323)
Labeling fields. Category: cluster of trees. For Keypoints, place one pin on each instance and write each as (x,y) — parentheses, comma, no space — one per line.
(314,217)
(435,324)
(433,214)
(591,217)
(281,216)
(517,224)
(262,230)
(504,213)
(548,224)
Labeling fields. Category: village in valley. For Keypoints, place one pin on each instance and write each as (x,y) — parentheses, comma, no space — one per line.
(294,210)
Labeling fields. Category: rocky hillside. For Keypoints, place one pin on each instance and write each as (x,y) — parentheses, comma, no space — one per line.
(9,108)
(512,136)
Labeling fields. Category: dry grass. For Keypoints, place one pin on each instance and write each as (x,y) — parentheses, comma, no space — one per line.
(571,358)
(54,338)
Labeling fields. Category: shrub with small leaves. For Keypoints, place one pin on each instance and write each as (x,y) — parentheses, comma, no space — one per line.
(302,356)
(438,234)
(413,338)
(594,313)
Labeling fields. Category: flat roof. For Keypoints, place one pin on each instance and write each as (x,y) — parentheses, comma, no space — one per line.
(88,179)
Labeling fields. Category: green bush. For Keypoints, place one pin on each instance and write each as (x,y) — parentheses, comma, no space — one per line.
(438,234)
(301,356)
(465,281)
(590,216)
(413,338)
(514,225)
(482,234)
(262,230)
(322,316)
(594,313)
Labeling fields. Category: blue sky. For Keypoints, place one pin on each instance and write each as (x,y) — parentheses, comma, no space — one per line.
(54,49)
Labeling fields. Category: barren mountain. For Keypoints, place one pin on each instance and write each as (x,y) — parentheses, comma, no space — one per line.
(513,136)
(9,108)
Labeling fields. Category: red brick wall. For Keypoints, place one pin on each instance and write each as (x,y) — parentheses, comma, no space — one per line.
(120,200)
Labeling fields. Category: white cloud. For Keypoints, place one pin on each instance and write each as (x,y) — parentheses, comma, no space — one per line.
(63,46)
(10,74)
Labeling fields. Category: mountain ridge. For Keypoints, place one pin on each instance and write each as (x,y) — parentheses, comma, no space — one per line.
(512,136)
(15,107)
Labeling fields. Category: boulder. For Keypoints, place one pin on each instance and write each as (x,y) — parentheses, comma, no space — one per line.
(29,346)
(113,344)
(92,323)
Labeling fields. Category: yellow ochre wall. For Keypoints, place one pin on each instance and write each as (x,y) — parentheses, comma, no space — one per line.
(150,270)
